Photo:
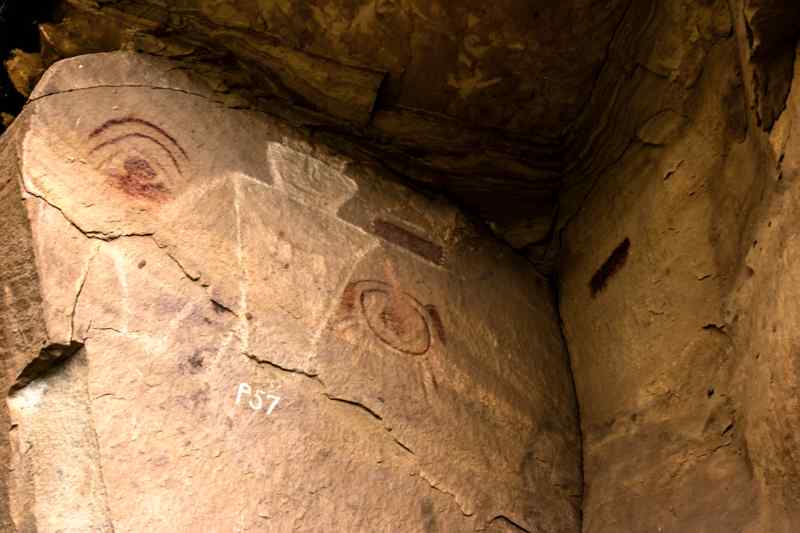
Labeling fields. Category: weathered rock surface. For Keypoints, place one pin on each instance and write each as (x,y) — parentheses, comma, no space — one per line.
(497,105)
(213,324)
(678,279)
(470,98)
(645,153)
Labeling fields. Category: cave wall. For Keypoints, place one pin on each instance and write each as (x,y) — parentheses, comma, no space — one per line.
(461,98)
(763,311)
(241,330)
(22,329)
(677,279)
(195,258)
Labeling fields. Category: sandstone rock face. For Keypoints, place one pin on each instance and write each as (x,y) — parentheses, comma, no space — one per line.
(219,319)
(678,284)
(763,312)
(212,324)
(468,98)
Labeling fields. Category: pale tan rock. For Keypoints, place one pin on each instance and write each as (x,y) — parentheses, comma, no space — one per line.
(266,336)
(678,289)
(763,311)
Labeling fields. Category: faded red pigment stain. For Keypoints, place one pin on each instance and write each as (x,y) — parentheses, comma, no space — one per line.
(150,138)
(413,243)
(137,176)
(393,317)
(140,180)
(136,120)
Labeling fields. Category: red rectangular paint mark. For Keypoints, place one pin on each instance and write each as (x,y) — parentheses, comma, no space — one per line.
(411,242)
(611,266)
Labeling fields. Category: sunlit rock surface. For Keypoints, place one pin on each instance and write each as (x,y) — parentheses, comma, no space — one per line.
(213,324)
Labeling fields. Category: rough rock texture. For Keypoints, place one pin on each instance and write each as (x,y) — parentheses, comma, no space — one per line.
(679,275)
(763,313)
(213,324)
(462,97)
(644,153)
(22,326)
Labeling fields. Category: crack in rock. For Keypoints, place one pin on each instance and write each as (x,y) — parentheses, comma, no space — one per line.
(122,86)
(222,308)
(48,361)
(508,522)
(299,371)
(90,234)
(81,284)
(406,448)
(193,276)
(356,404)
(454,496)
